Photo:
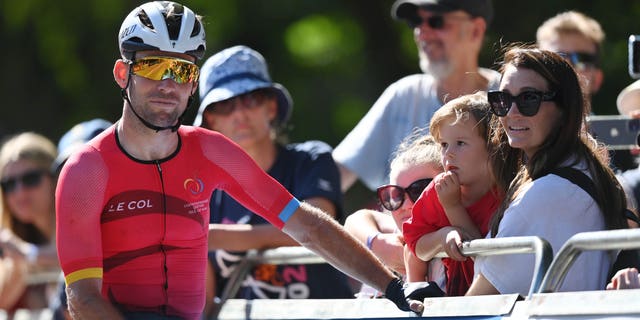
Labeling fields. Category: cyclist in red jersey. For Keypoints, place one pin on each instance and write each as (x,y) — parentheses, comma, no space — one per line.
(133,204)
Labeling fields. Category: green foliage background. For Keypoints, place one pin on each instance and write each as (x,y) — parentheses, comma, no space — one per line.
(335,56)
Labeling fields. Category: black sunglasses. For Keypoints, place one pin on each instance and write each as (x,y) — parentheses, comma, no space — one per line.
(250,100)
(435,22)
(391,197)
(528,102)
(29,179)
(580,60)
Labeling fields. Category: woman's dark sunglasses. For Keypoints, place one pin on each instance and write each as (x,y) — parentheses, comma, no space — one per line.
(392,197)
(528,102)
(28,179)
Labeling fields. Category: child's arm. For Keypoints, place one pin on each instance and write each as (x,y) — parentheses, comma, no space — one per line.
(446,239)
(377,231)
(448,189)
(416,268)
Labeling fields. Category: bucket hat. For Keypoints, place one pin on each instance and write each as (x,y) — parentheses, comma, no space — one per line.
(235,71)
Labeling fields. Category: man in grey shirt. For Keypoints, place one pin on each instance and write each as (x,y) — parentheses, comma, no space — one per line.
(449,36)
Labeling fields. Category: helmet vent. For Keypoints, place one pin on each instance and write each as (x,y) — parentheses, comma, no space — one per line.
(173,17)
(196,29)
(144,19)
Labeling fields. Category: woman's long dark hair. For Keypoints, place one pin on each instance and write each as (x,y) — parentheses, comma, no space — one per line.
(567,140)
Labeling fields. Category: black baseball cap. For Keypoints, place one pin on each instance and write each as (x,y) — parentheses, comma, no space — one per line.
(407,9)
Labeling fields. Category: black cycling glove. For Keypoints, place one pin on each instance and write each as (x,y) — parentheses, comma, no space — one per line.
(400,293)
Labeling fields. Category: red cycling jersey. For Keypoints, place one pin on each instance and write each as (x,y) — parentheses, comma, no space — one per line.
(142,226)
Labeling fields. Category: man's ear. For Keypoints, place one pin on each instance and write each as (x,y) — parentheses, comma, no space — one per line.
(121,73)
(596,80)
(195,88)
(479,27)
(272,109)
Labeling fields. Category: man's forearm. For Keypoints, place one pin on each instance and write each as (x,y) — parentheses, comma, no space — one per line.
(317,232)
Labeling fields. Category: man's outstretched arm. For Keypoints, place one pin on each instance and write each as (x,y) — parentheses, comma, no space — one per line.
(322,235)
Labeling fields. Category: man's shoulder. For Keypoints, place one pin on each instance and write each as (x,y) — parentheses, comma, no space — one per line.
(418,80)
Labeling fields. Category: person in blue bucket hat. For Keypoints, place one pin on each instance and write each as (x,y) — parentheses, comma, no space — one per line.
(236,71)
(240,100)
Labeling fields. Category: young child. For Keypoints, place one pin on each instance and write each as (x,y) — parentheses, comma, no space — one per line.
(459,203)
(415,163)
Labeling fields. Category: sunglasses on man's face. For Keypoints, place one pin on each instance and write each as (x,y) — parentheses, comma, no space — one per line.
(161,68)
(392,197)
(528,102)
(435,22)
(580,60)
(29,179)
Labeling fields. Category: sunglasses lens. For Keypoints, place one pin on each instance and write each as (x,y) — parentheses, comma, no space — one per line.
(391,197)
(32,179)
(415,189)
(580,60)
(500,102)
(529,103)
(414,21)
(223,108)
(436,22)
(8,185)
(28,180)
(159,68)
(250,100)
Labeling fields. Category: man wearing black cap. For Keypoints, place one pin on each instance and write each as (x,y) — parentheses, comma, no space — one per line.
(449,36)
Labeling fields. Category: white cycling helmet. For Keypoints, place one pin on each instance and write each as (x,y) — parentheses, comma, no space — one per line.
(162,25)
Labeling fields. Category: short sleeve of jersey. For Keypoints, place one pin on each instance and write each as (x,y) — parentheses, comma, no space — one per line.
(79,199)
(246,182)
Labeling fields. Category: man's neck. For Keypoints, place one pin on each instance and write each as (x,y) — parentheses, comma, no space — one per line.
(144,143)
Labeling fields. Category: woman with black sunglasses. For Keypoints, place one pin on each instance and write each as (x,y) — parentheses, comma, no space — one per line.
(415,163)
(541,111)
(27,224)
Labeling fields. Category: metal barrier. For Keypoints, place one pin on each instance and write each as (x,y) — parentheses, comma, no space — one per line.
(513,245)
(282,255)
(480,247)
(595,240)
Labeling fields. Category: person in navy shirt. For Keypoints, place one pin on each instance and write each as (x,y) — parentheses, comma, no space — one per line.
(239,100)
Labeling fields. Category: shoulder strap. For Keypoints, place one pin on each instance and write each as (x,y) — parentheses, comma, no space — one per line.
(583,181)
(578,178)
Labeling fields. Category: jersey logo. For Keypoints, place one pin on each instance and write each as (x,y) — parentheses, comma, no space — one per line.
(194,186)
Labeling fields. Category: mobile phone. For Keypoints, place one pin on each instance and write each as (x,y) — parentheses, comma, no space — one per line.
(617,132)
(634,56)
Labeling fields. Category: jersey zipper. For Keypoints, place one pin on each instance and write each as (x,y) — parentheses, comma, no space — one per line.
(164,233)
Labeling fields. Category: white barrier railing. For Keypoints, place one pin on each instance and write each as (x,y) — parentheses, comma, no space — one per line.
(586,241)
